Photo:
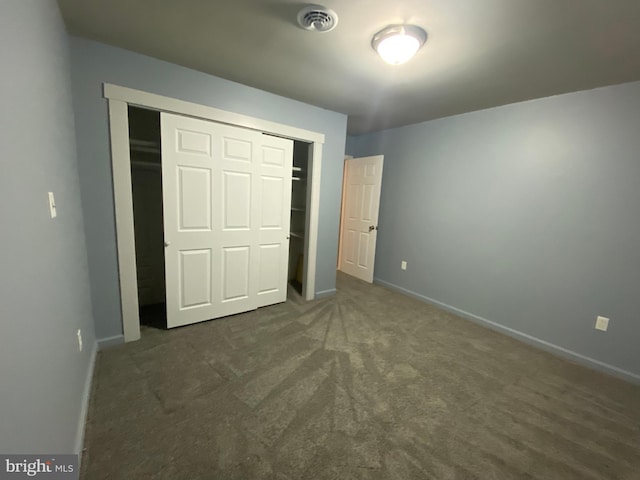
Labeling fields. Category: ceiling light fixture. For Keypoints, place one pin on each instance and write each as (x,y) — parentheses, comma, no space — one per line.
(398,44)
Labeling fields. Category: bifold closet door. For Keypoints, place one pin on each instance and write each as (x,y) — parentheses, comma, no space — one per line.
(226,200)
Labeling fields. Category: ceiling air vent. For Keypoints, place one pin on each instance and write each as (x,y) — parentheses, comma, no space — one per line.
(317,18)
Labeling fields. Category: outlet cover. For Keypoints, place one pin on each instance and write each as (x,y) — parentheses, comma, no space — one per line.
(52,205)
(403,265)
(602,323)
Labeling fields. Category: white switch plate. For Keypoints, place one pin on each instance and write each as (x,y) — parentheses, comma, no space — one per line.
(602,323)
(52,205)
(403,265)
(79,340)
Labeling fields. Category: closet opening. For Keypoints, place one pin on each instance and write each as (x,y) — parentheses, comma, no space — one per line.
(146,188)
(147,195)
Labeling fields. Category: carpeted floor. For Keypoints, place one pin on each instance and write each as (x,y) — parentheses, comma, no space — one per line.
(368,384)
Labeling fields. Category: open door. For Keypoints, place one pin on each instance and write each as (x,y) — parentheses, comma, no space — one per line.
(226,200)
(359,228)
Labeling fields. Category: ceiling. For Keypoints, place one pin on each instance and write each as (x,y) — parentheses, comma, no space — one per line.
(479,54)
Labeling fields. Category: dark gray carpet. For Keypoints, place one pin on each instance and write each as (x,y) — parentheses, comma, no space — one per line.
(368,384)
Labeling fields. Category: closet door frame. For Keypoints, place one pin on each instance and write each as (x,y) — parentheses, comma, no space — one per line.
(119,98)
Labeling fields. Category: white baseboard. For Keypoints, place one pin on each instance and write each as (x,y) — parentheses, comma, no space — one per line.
(325,293)
(86,397)
(110,341)
(536,342)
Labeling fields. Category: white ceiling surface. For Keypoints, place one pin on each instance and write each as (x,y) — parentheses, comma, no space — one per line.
(479,54)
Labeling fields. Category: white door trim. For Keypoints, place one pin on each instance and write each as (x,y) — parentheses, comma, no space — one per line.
(125,236)
(174,105)
(119,98)
(344,183)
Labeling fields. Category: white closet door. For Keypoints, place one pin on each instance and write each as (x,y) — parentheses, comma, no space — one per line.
(273,192)
(225,233)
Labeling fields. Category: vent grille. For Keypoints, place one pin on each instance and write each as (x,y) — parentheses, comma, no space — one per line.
(317,18)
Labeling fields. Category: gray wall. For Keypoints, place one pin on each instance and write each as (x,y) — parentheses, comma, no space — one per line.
(94,63)
(525,215)
(44,293)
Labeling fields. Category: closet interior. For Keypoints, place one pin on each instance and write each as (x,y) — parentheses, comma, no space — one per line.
(146,186)
(299,215)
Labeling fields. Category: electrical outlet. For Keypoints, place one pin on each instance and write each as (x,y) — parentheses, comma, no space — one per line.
(403,265)
(602,323)
(79,334)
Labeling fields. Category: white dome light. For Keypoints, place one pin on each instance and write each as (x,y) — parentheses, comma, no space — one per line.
(397,44)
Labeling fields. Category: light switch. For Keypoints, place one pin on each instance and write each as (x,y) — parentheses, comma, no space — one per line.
(52,205)
(602,323)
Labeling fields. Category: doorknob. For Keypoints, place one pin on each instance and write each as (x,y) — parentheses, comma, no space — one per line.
(372,228)
(166,243)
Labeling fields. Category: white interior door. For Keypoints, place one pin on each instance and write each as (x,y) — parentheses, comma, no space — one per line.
(226,198)
(359,231)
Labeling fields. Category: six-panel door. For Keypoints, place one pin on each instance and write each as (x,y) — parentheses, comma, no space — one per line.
(359,230)
(226,194)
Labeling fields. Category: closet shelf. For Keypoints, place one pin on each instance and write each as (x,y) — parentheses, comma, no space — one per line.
(296,169)
(145,146)
(297,209)
(298,179)
(146,165)
(297,234)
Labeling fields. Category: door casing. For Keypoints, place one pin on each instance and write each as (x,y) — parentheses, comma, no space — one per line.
(119,98)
